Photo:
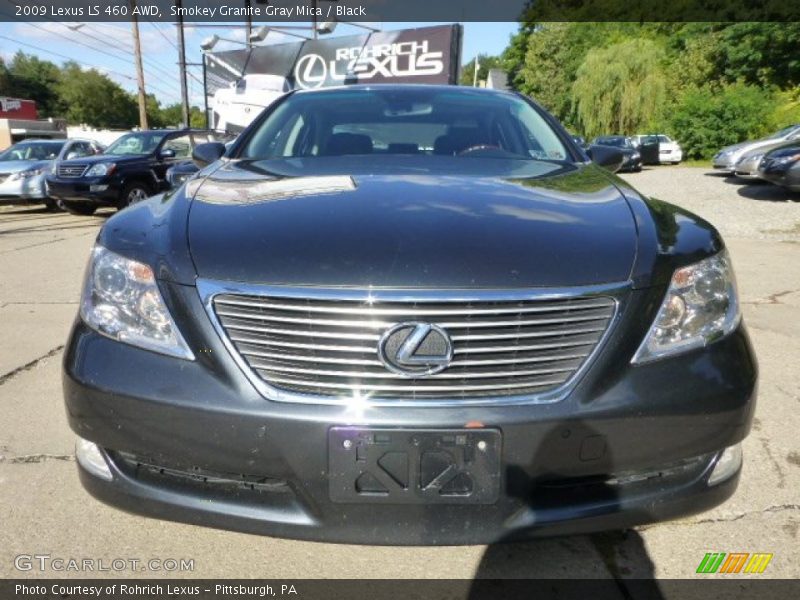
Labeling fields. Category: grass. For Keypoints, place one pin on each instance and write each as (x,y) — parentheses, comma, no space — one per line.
(699,164)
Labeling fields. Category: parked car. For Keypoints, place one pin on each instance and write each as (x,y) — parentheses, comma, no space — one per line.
(237,105)
(130,170)
(781,166)
(725,160)
(24,165)
(633,159)
(747,165)
(470,330)
(669,151)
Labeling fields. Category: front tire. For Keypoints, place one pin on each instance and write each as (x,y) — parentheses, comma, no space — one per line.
(82,209)
(51,205)
(133,193)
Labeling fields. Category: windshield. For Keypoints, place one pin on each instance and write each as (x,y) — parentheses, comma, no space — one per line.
(418,121)
(618,142)
(136,143)
(33,151)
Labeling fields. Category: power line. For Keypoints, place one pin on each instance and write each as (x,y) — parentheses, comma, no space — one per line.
(81,30)
(161,32)
(146,59)
(91,66)
(128,47)
(158,89)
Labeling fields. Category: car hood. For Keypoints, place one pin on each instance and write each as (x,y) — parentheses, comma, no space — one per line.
(402,221)
(751,145)
(15,166)
(763,148)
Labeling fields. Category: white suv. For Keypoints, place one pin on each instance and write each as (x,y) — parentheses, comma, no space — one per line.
(237,105)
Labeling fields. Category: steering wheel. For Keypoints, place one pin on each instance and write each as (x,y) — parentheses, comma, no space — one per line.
(478,147)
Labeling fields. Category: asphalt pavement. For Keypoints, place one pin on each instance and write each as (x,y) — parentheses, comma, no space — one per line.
(44,510)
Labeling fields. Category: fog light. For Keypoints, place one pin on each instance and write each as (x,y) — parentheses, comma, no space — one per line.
(91,459)
(98,188)
(727,465)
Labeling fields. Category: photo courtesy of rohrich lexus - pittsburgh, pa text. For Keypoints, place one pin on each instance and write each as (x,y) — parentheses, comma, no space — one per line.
(328,298)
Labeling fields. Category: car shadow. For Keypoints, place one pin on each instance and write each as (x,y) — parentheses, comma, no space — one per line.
(616,559)
(767,192)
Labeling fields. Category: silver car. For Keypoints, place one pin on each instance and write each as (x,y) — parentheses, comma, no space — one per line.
(23,166)
(747,166)
(726,159)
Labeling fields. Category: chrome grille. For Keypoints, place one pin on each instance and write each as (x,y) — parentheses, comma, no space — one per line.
(328,348)
(71,170)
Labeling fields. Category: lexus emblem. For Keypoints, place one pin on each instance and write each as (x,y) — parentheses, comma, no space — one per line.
(415,349)
(311,71)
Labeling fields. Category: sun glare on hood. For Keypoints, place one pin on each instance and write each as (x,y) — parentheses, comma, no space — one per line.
(237,192)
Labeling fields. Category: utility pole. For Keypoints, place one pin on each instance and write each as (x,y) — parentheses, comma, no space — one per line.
(182,64)
(137,48)
(249,23)
(475,75)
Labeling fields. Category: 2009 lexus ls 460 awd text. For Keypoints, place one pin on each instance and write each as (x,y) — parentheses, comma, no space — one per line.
(409,315)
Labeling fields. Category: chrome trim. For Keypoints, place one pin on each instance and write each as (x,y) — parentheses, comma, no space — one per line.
(208,289)
(386,324)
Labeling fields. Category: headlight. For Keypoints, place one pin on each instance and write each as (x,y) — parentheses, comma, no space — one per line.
(700,307)
(121,300)
(636,156)
(25,174)
(100,169)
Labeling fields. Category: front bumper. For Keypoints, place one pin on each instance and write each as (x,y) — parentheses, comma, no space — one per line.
(726,163)
(787,176)
(97,190)
(30,188)
(747,169)
(195,442)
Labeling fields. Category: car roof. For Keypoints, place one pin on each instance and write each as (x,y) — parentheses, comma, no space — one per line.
(39,141)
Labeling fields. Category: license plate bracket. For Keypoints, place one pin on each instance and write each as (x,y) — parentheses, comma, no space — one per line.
(414,466)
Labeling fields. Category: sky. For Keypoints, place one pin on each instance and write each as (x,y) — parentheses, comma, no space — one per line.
(108,47)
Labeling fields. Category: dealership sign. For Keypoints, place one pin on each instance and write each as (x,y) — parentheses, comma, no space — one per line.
(241,83)
(16,108)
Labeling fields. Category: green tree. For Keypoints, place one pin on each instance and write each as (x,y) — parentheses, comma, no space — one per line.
(36,79)
(620,89)
(172,116)
(554,52)
(485,62)
(709,118)
(513,56)
(5,79)
(92,98)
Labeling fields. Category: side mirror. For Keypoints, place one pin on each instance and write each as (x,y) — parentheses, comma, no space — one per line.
(607,157)
(167,153)
(205,154)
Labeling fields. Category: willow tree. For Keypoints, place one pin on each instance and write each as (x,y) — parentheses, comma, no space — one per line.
(620,89)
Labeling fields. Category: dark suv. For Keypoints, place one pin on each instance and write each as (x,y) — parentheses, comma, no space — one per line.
(131,169)
(409,315)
